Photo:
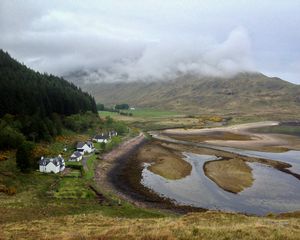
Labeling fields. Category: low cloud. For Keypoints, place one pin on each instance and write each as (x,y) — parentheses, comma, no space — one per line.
(167,58)
(131,41)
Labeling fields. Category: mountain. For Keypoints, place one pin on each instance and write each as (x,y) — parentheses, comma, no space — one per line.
(26,92)
(245,93)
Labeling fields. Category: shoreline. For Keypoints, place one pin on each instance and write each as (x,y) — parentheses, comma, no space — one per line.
(120,173)
(258,141)
(110,175)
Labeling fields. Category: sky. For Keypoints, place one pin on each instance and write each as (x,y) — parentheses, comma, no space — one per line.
(140,40)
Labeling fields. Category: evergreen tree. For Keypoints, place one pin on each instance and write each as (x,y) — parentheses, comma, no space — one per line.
(24,156)
(37,102)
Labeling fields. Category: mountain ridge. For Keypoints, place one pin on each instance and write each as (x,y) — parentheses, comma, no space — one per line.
(243,93)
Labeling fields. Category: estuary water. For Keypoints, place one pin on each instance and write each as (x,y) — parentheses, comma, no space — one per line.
(272,190)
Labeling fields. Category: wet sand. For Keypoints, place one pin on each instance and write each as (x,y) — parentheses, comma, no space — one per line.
(120,171)
(238,136)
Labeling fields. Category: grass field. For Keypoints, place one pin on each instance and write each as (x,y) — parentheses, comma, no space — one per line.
(195,226)
(151,119)
(39,195)
(73,188)
(142,113)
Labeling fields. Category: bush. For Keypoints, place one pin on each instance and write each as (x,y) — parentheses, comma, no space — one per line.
(81,122)
(100,107)
(24,157)
(9,136)
(215,119)
(8,190)
(124,106)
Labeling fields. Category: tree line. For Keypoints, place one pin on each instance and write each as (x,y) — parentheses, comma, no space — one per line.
(36,106)
(27,92)
(33,105)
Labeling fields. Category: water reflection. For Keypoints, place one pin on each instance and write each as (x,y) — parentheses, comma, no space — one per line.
(272,190)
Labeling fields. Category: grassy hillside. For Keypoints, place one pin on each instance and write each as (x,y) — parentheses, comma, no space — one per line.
(243,94)
(206,226)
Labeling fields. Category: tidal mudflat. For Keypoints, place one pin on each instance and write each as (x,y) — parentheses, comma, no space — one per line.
(232,178)
(271,191)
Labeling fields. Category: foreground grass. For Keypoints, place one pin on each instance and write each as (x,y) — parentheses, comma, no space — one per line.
(209,225)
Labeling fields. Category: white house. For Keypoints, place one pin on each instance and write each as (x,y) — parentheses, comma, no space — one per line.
(54,165)
(112,133)
(76,156)
(85,147)
(100,138)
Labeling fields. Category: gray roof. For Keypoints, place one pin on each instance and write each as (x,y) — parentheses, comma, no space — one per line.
(80,144)
(57,161)
(98,136)
(77,154)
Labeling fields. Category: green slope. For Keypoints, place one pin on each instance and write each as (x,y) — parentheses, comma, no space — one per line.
(243,94)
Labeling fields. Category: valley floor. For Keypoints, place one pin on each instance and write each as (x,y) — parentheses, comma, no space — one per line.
(33,214)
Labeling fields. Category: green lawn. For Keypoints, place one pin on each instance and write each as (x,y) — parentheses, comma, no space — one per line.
(106,113)
(73,188)
(74,173)
(89,174)
(147,113)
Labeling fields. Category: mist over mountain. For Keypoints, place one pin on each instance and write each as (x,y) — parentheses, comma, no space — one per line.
(244,93)
(132,40)
(169,58)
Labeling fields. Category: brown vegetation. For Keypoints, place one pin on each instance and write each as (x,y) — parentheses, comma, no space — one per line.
(206,226)
(212,135)
(232,175)
(166,163)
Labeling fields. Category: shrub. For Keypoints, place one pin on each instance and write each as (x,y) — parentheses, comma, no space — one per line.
(8,190)
(24,157)
(215,119)
(9,136)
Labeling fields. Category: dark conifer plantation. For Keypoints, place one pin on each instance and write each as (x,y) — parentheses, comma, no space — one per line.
(35,104)
(26,92)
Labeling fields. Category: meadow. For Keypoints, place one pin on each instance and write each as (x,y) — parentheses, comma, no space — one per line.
(155,119)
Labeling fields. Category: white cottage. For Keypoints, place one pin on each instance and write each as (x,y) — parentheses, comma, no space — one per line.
(100,138)
(113,133)
(54,165)
(76,156)
(85,147)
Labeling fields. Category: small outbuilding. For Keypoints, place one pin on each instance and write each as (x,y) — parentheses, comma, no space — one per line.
(100,138)
(113,133)
(76,156)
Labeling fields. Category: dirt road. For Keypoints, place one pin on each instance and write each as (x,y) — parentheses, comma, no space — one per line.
(105,168)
